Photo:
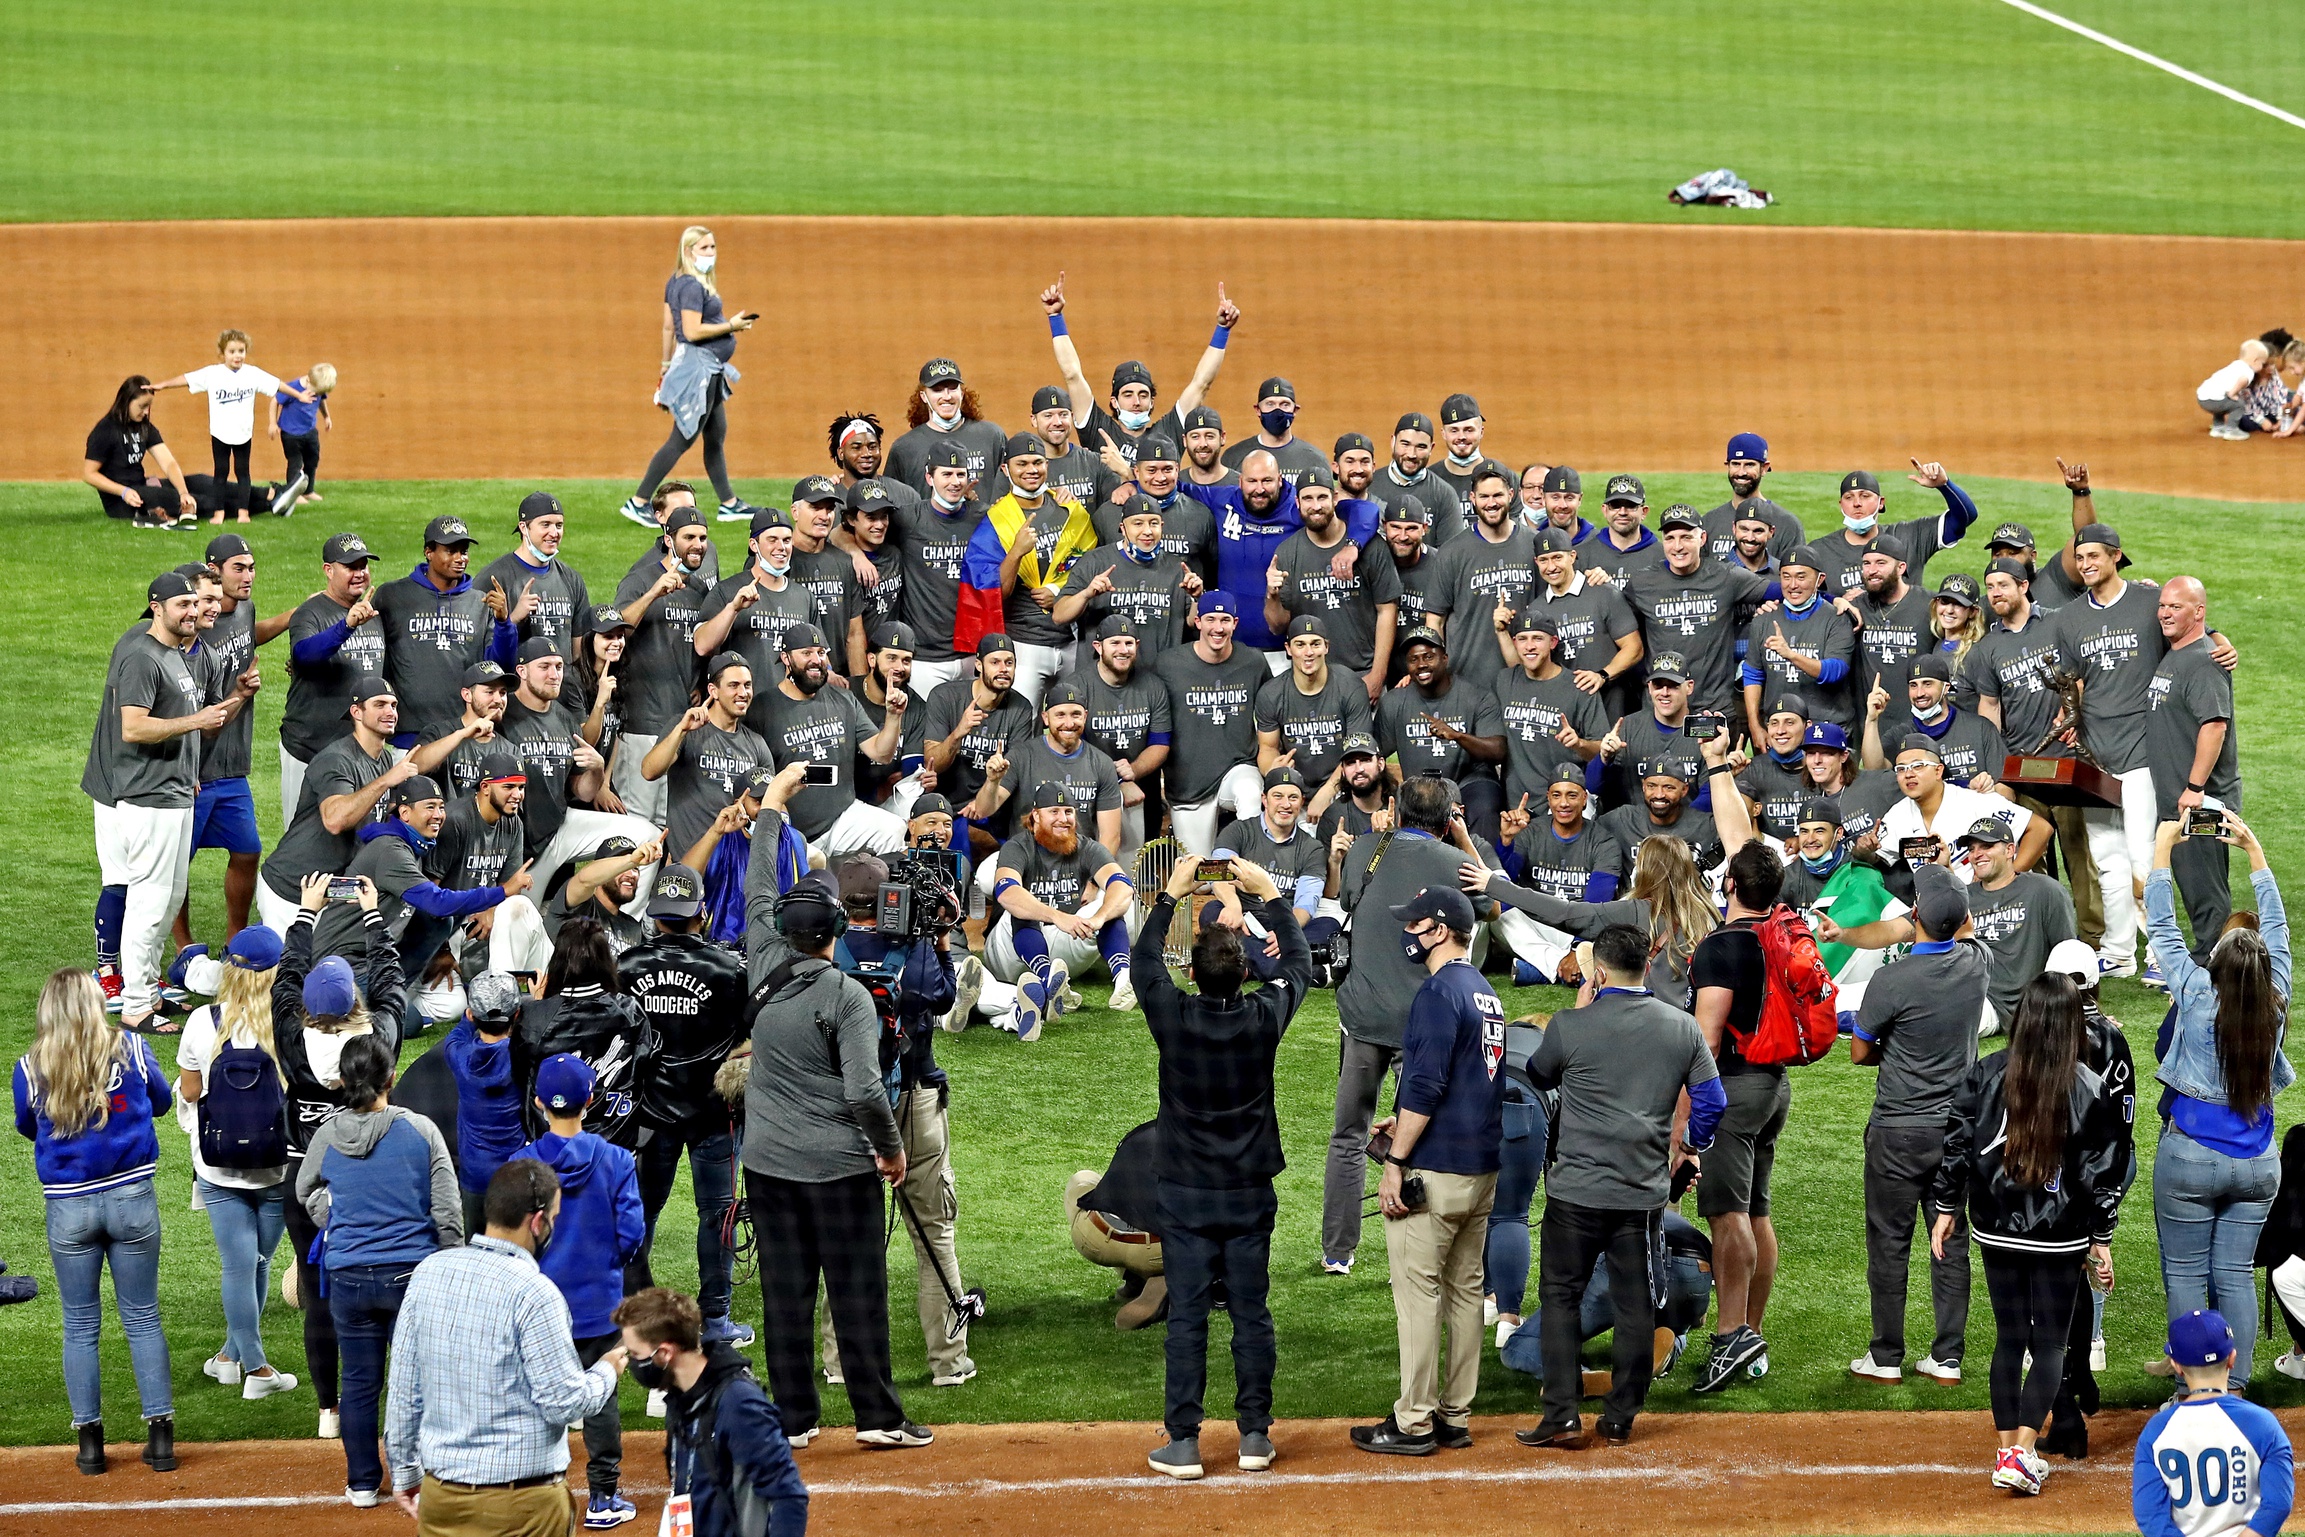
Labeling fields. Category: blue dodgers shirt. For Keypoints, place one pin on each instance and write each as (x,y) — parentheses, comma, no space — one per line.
(1452,1070)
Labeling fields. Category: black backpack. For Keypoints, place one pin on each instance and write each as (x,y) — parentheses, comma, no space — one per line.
(243,1110)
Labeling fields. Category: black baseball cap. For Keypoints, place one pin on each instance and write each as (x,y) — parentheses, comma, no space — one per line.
(931,804)
(2016,570)
(1788,704)
(1962,588)
(1561,479)
(226,546)
(682,517)
(947,456)
(1023,445)
(1805,556)
(1307,624)
(679,893)
(815,488)
(1459,408)
(722,661)
(1555,541)
(1423,635)
(1409,508)
(2100,533)
(870,496)
(798,636)
(993,644)
(1358,745)
(1350,442)
(766,519)
(1533,620)
(894,637)
(1131,372)
(1823,808)
(1413,421)
(1567,772)
(372,687)
(1679,515)
(1066,692)
(1050,795)
(1987,830)
(1283,775)
(346,550)
(939,371)
(169,584)
(614,846)
(502,768)
(1316,475)
(540,504)
(1276,386)
(1201,418)
(1451,906)
(1931,665)
(447,529)
(1915,741)
(1111,625)
(607,619)
(2011,536)
(1625,490)
(416,789)
(485,673)
(1156,448)
(1860,480)
(1050,397)
(534,648)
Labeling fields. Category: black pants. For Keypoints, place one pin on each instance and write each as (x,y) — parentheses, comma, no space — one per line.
(837,1230)
(231,460)
(2033,1297)
(2202,868)
(604,1428)
(1207,1236)
(1900,1164)
(1573,1239)
(714,430)
(208,492)
(302,452)
(319,1324)
(1484,802)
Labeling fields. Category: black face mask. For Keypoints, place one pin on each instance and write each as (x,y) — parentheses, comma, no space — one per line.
(649,1375)
(543,1241)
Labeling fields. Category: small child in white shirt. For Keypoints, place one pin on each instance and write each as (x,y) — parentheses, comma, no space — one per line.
(2225,393)
(231,385)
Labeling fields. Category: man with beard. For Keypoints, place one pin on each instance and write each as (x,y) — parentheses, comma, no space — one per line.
(932,537)
(1060,755)
(1913,541)
(708,753)
(435,626)
(1654,734)
(1892,618)
(1358,610)
(1132,397)
(601,885)
(1566,855)
(332,644)
(1204,446)
(748,612)
(1074,472)
(1600,636)
(1354,462)
(1862,799)
(1664,809)
(486,688)
(1419,569)
(970,723)
(1970,746)
(1407,473)
(1544,712)
(565,773)
(1212,687)
(1559,502)
(1018,562)
(866,518)
(1491,570)
(397,855)
(1443,725)
(888,669)
(1777,780)
(1462,429)
(1186,529)
(836,588)
(1624,543)
(670,497)
(943,413)
(806,718)
(1136,580)
(662,600)
(1253,519)
(1352,800)
(1064,901)
(1277,842)
(1304,716)
(1129,721)
(1690,603)
(1805,647)
(1275,435)
(224,813)
(481,843)
(535,589)
(1748,462)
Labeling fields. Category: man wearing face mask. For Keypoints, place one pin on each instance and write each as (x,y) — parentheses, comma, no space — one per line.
(1134,580)
(1407,472)
(1462,429)
(1074,471)
(932,536)
(1253,520)
(1748,462)
(1187,532)
(835,583)
(747,614)
(1913,541)
(731,1467)
(1016,566)
(944,412)
(1276,433)
(1131,402)
(531,576)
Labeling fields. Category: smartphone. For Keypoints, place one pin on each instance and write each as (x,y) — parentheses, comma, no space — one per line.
(1705,725)
(1214,870)
(1917,851)
(2204,822)
(344,888)
(820,774)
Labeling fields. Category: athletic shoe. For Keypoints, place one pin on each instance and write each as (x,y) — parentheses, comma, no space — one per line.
(1453,1438)
(725,1328)
(1123,995)
(364,1499)
(1388,1439)
(2229,434)
(658,1404)
(736,510)
(2290,1364)
(2151,975)
(260,1385)
(1560,1438)
(151,524)
(833,1377)
(1946,1372)
(1526,975)
(2097,1357)
(1505,1328)
(1031,1000)
(1731,1354)
(2111,966)
(1873,1371)
(634,510)
(1178,1459)
(221,1369)
(1759,1367)
(1058,998)
(1489,1313)
(171,997)
(800,1440)
(2035,1465)
(607,1510)
(108,981)
(284,500)
(960,1373)
(1336,1266)
(1256,1452)
(967,987)
(331,1426)
(903,1434)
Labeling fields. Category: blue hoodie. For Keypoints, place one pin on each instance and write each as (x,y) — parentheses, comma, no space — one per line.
(488,1123)
(122,1151)
(602,1226)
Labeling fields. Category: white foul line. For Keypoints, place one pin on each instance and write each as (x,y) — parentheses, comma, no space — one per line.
(2142,57)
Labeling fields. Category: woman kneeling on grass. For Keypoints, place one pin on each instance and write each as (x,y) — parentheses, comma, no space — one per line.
(2038,1160)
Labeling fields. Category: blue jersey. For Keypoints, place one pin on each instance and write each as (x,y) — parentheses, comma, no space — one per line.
(1247,542)
(2213,1465)
(1452,1053)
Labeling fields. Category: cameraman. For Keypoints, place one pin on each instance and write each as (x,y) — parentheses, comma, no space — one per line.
(819,1138)
(922,967)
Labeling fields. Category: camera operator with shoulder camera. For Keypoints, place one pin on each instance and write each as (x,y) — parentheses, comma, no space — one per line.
(819,1138)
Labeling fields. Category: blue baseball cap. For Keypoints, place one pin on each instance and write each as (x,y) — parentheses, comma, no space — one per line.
(2200,1338)
(1823,733)
(255,948)
(1748,445)
(1218,601)
(329,991)
(1446,903)
(564,1082)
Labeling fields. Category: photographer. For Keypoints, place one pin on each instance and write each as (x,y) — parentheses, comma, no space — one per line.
(819,1138)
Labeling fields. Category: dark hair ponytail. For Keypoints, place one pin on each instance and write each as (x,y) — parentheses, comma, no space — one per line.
(2249,1013)
(2044,1055)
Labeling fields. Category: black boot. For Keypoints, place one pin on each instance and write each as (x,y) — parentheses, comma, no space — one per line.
(91,1458)
(2067,1436)
(160,1444)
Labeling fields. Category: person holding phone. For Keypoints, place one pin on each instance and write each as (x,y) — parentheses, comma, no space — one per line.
(699,342)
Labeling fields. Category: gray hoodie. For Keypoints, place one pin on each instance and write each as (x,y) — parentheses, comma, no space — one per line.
(381,1184)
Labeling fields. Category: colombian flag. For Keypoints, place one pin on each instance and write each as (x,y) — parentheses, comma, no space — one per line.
(978,613)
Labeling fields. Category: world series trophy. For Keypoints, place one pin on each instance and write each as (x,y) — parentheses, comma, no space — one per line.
(2076,778)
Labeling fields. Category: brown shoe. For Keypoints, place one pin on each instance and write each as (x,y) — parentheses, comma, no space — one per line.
(1146,1307)
(1661,1349)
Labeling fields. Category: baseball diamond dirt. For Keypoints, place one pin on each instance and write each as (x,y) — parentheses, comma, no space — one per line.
(526,347)
(1703,1475)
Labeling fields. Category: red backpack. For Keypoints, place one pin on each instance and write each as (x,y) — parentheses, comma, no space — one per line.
(1798,1022)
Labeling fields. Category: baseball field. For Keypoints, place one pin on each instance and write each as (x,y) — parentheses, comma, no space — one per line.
(1996,241)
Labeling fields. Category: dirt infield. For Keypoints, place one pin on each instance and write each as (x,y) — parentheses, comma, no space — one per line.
(1698,1474)
(484,348)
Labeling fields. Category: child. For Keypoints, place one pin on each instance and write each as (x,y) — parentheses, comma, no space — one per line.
(602,1228)
(2224,394)
(299,423)
(2211,1462)
(488,1119)
(232,386)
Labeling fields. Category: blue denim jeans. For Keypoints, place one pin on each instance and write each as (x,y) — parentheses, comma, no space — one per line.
(2208,1209)
(122,1225)
(1506,1257)
(712,1177)
(364,1300)
(247,1225)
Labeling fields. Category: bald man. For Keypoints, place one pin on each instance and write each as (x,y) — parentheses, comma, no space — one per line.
(2190,746)
(1253,519)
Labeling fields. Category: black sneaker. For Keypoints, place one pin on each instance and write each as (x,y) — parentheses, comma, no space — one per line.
(1563,1438)
(1389,1439)
(1732,1353)
(1455,1438)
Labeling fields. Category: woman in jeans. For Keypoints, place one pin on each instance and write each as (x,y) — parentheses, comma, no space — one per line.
(380,1184)
(87,1094)
(246,1206)
(2216,1173)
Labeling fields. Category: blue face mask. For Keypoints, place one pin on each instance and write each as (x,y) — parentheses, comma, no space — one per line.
(1413,947)
(1825,865)
(1136,421)
(1141,557)
(1276,423)
(1864,527)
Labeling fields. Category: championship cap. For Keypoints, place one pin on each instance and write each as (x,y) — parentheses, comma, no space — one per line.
(1064,693)
(1987,830)
(1131,372)
(533,649)
(1939,906)
(447,529)
(1359,745)
(2075,958)
(815,488)
(492,998)
(1804,555)
(1669,666)
(682,517)
(2010,536)
(1317,475)
(1533,620)
(415,790)
(947,456)
(1156,448)
(1283,775)
(1353,442)
(1825,734)
(757,779)
(502,768)
(1050,795)
(484,673)
(931,804)
(1625,490)
(372,687)
(1306,624)
(329,991)
(1217,601)
(1788,704)
(994,644)
(799,636)
(1825,810)
(1050,397)
(169,584)
(1446,903)
(722,661)
(1915,741)
(1563,481)
(255,948)
(614,846)
(1665,765)
(1423,635)
(1413,421)
(1860,480)
(939,371)
(1566,772)
(1555,541)
(1024,445)
(346,550)
(2100,533)
(2200,1338)
(1459,408)
(769,518)
(1409,508)
(226,546)
(1111,625)
(1679,515)
(564,1081)
(195,572)
(1204,419)
(1931,664)
(1747,445)
(894,637)
(1961,588)
(539,504)
(2013,569)
(870,496)
(607,619)
(1277,388)
(679,893)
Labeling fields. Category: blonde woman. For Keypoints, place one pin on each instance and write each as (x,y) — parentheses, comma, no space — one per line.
(87,1094)
(234,1087)
(1957,619)
(697,378)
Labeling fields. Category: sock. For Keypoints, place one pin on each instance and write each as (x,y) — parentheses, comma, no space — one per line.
(1031,947)
(111,917)
(1112,944)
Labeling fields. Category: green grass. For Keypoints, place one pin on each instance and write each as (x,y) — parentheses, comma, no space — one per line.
(1023,1119)
(1896,113)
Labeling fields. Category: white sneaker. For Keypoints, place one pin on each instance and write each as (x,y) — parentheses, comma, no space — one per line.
(1057,988)
(1872,1371)
(967,987)
(1489,1311)
(2035,1464)
(265,1384)
(1506,1328)
(331,1426)
(1947,1372)
(1123,994)
(364,1499)
(221,1369)
(2289,1364)
(804,1440)
(2097,1357)
(657,1405)
(960,1373)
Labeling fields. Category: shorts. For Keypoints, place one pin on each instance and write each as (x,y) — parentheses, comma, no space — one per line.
(1735,1169)
(224,817)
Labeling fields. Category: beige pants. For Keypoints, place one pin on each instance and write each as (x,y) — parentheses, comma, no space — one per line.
(928,1185)
(1436,1264)
(459,1510)
(1092,1239)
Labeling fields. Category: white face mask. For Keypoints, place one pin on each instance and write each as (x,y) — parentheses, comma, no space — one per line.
(945,418)
(776,567)
(704,263)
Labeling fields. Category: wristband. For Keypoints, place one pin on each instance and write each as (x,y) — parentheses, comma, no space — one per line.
(1056,324)
(1396,1162)
(1218,339)
(2196,789)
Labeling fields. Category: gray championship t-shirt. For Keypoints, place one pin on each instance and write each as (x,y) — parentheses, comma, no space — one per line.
(1005,728)
(1696,615)
(931,545)
(707,777)
(981,441)
(660,662)
(1188,529)
(1315,725)
(227,649)
(1533,711)
(474,852)
(1921,1011)
(1823,634)
(1475,576)
(1346,609)
(319,705)
(308,847)
(149,675)
(836,595)
(1065,882)
(1403,731)
(1294,457)
(545,742)
(1421,587)
(563,606)
(2189,691)
(1212,714)
(460,774)
(1890,636)
(2012,668)
(1628,826)
(430,638)
(1149,597)
(1564,867)
(757,634)
(1721,527)
(1440,501)
(1125,718)
(1290,861)
(2018,926)
(830,728)
(1086,776)
(2115,647)
(1592,619)
(1916,539)
(1781,789)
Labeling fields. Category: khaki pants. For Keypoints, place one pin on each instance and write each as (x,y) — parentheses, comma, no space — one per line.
(928,1186)
(1436,1264)
(459,1510)
(1096,1244)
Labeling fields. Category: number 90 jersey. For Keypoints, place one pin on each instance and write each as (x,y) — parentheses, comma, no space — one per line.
(2210,1466)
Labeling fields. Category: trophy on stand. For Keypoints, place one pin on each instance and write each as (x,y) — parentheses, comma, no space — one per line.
(2073,778)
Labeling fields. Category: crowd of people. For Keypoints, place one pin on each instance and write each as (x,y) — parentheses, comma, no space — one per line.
(695,868)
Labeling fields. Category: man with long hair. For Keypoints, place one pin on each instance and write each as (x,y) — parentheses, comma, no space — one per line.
(944,409)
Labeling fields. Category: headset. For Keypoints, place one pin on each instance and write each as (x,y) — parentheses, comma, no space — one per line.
(809,894)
